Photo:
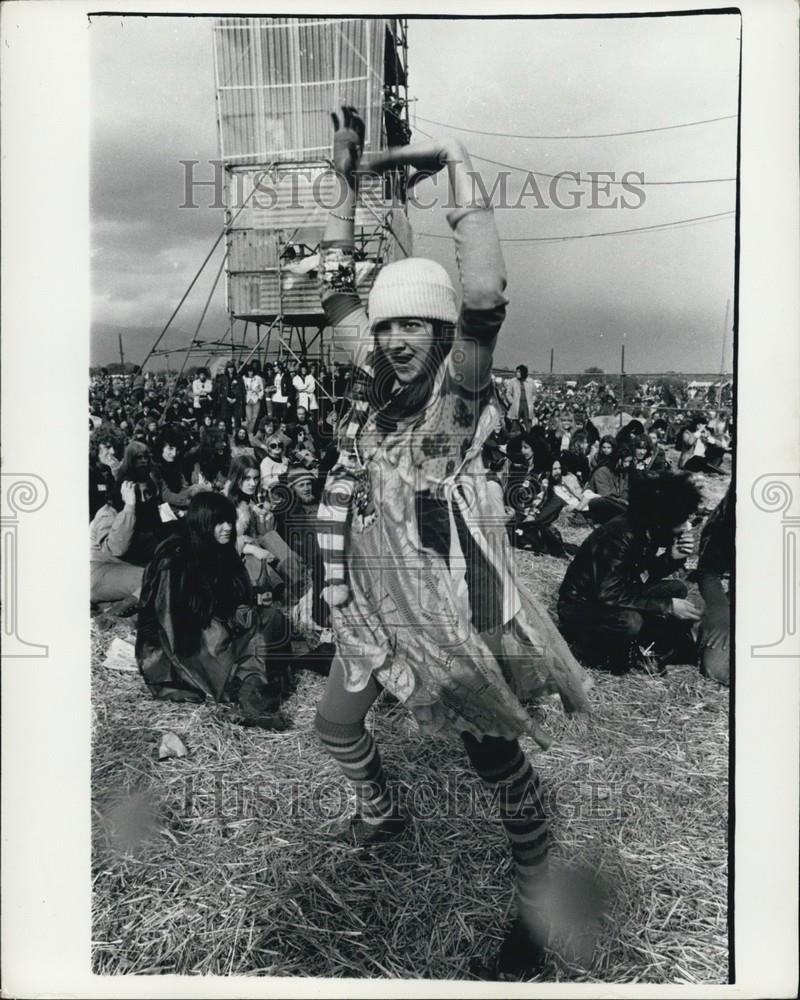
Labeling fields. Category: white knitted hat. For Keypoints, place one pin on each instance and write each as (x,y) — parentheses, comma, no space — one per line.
(412,287)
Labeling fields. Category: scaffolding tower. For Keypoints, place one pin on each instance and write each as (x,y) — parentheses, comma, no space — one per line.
(277,80)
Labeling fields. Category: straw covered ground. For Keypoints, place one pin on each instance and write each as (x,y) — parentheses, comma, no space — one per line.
(220,862)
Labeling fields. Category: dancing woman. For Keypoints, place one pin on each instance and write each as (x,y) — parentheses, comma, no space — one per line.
(442,624)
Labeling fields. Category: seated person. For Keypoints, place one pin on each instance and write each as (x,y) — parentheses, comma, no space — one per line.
(274,466)
(303,422)
(695,453)
(713,568)
(533,528)
(112,578)
(139,510)
(522,484)
(296,515)
(578,453)
(614,598)
(647,457)
(201,635)
(168,472)
(607,493)
(105,451)
(242,444)
(270,563)
(211,461)
(603,452)
(632,429)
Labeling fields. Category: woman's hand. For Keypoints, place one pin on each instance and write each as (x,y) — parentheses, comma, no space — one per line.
(259,553)
(685,610)
(683,546)
(348,143)
(128,493)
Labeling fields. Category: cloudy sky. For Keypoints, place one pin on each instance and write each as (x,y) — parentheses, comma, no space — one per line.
(663,293)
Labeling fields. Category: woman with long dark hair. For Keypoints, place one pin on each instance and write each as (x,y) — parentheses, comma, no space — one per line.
(242,443)
(522,483)
(212,460)
(201,634)
(607,493)
(270,562)
(168,471)
(605,453)
(441,623)
(137,493)
(534,528)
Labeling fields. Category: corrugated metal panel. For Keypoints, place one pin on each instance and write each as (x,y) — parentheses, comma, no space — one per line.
(260,295)
(278,78)
(294,197)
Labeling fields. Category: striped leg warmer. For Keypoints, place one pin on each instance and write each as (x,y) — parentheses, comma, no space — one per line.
(503,765)
(354,750)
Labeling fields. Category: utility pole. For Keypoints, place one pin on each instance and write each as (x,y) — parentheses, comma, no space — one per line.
(552,355)
(724,338)
(622,375)
(121,353)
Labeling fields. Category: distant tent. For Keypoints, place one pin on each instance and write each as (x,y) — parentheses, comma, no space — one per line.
(611,424)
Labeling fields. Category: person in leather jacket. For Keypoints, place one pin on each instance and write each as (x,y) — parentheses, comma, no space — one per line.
(614,598)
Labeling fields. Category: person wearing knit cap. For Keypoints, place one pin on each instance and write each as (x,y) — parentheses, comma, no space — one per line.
(419,574)
(416,288)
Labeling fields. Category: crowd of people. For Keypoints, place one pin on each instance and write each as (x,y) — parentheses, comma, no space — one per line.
(387,495)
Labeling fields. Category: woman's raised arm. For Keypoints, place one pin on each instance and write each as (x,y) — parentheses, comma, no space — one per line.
(337,270)
(480,260)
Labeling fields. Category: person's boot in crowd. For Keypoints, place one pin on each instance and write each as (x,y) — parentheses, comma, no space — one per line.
(259,701)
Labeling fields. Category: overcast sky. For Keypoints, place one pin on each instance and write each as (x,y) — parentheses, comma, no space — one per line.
(664,292)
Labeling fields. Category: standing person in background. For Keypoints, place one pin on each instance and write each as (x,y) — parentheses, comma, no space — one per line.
(521,396)
(279,397)
(254,395)
(305,386)
(202,394)
(288,386)
(311,387)
(268,377)
(137,384)
(231,397)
